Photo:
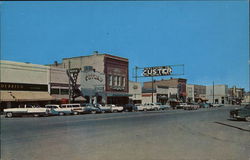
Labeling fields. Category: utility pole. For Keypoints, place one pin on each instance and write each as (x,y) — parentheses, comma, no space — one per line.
(69,84)
(213,91)
(152,90)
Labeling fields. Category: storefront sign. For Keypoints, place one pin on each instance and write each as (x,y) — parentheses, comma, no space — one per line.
(157,71)
(74,70)
(23,87)
(93,77)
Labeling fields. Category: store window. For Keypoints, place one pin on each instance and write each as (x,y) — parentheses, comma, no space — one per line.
(64,91)
(124,81)
(115,80)
(54,91)
(118,80)
(110,80)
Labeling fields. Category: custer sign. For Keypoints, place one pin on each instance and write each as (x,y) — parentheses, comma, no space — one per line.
(157,71)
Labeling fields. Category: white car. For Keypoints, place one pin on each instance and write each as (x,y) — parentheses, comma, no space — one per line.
(144,107)
(55,109)
(76,108)
(26,110)
(115,108)
(156,106)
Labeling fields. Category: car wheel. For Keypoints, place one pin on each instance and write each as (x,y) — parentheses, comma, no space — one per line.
(144,109)
(35,115)
(61,113)
(9,114)
(75,113)
(93,112)
(247,119)
(103,111)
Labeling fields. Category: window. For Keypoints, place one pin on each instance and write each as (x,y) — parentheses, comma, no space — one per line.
(54,90)
(115,80)
(64,91)
(110,80)
(118,80)
(124,81)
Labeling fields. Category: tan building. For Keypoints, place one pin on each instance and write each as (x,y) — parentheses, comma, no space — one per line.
(23,83)
(178,83)
(115,70)
(196,93)
(235,95)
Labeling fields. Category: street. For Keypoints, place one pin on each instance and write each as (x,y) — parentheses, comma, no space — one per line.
(203,134)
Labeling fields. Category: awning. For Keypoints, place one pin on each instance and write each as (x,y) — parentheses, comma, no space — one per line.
(60,97)
(119,95)
(15,96)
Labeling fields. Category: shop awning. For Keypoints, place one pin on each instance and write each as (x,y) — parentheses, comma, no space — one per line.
(119,95)
(60,97)
(15,96)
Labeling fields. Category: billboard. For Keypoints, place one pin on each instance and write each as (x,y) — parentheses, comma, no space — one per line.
(157,71)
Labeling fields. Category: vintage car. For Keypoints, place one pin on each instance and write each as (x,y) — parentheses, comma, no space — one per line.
(129,107)
(55,109)
(156,106)
(90,108)
(116,108)
(180,106)
(26,110)
(191,106)
(75,107)
(241,113)
(164,107)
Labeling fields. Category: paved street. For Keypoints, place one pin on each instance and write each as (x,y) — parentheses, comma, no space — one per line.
(162,135)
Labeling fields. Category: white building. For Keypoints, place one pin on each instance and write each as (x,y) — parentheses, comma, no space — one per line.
(23,83)
(217,94)
(135,89)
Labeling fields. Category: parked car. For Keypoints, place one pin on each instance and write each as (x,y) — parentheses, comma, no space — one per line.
(204,105)
(164,107)
(90,108)
(241,113)
(104,108)
(76,108)
(156,106)
(217,105)
(55,109)
(180,106)
(129,107)
(115,108)
(26,110)
(141,107)
(191,106)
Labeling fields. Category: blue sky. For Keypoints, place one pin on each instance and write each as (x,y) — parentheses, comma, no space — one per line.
(210,38)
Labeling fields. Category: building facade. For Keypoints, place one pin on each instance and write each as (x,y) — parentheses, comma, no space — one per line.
(196,93)
(135,89)
(217,94)
(115,72)
(23,83)
(178,84)
(235,95)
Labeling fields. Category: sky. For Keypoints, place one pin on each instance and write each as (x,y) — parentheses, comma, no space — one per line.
(211,38)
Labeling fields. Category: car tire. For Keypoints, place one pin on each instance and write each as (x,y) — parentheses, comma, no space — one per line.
(35,115)
(144,109)
(93,112)
(247,119)
(75,113)
(9,115)
(61,114)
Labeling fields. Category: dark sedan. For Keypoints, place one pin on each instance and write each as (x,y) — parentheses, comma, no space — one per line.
(129,108)
(241,113)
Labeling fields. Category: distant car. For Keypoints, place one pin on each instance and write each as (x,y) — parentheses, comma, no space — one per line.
(242,113)
(217,105)
(55,109)
(129,107)
(76,108)
(191,106)
(204,105)
(156,106)
(180,106)
(104,108)
(116,108)
(90,108)
(141,107)
(164,107)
